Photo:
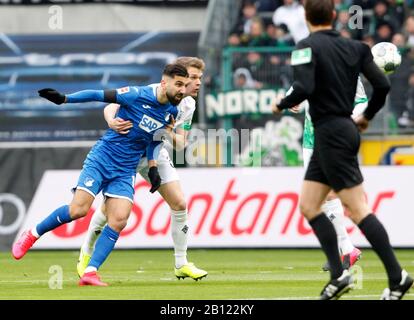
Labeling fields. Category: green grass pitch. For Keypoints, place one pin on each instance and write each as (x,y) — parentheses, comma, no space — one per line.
(148,275)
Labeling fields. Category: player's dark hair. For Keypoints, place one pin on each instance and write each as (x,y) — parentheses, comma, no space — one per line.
(174,69)
(319,12)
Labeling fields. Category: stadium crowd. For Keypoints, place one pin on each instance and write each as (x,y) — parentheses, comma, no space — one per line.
(281,24)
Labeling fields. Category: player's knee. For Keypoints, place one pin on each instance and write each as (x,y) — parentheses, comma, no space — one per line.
(118,223)
(357,213)
(179,205)
(77,211)
(308,210)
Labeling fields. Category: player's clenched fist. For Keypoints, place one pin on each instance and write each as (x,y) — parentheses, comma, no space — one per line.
(52,95)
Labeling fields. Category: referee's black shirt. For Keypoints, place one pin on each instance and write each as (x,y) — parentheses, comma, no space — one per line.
(326,69)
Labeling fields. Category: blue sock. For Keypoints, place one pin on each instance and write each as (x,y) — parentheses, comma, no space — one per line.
(55,219)
(103,247)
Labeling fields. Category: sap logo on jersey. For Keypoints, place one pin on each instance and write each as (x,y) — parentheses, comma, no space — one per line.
(149,124)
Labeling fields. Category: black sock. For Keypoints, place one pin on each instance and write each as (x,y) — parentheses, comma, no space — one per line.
(325,232)
(377,236)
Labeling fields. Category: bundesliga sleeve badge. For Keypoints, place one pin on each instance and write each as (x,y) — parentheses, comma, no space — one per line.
(301,56)
(122,90)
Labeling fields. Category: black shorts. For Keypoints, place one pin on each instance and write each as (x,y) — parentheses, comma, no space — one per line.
(334,161)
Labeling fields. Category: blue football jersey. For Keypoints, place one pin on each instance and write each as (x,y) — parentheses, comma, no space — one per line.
(141,107)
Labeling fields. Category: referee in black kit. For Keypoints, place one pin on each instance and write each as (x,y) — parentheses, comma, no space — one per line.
(326,68)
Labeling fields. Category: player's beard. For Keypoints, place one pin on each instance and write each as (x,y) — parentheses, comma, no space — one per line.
(175,99)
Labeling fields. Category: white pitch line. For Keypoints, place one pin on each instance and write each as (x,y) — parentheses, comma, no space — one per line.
(74,280)
(30,281)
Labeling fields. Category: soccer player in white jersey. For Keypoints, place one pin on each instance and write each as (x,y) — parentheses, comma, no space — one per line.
(170,188)
(333,207)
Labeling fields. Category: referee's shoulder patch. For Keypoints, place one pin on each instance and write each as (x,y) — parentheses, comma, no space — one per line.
(301,56)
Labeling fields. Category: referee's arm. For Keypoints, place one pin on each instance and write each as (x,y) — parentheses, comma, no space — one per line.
(303,63)
(381,86)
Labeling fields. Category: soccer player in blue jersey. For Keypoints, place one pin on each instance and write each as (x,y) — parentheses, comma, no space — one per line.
(111,164)
(170,189)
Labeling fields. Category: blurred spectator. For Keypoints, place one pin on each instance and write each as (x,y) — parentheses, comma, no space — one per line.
(384,21)
(397,12)
(369,40)
(342,4)
(400,79)
(271,31)
(242,79)
(342,19)
(345,33)
(338,4)
(233,40)
(281,38)
(256,64)
(383,15)
(365,4)
(268,5)
(284,38)
(237,57)
(292,14)
(407,118)
(409,30)
(383,32)
(341,24)
(257,37)
(249,11)
(401,42)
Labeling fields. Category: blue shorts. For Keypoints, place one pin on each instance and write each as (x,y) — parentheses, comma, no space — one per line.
(95,178)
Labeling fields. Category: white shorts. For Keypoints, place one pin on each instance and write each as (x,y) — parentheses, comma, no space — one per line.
(307,155)
(168,172)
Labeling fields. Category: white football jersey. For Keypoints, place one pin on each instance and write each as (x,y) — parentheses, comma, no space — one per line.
(360,100)
(360,104)
(186,110)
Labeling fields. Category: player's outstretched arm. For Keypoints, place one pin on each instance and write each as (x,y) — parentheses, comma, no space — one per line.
(361,122)
(110,111)
(115,123)
(178,137)
(80,96)
(52,95)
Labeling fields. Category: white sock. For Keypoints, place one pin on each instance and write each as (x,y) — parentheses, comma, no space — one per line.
(179,231)
(90,269)
(335,212)
(96,225)
(34,232)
